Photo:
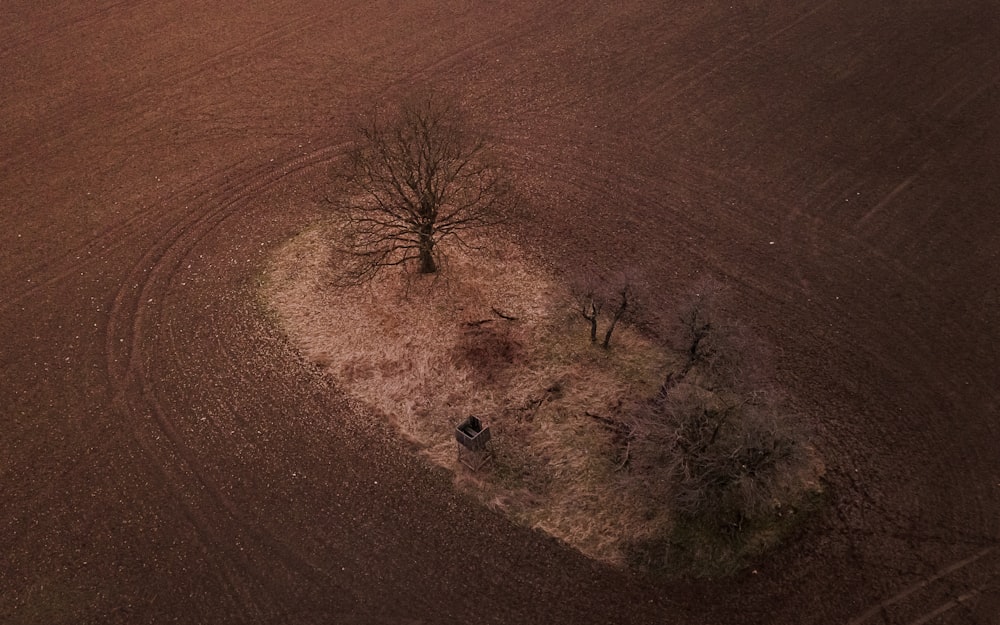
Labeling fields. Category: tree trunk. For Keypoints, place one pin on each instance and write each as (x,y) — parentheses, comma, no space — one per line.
(611,328)
(427,264)
(622,305)
(593,323)
(589,311)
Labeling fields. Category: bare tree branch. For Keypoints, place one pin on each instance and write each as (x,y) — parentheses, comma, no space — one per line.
(413,179)
(593,295)
(624,299)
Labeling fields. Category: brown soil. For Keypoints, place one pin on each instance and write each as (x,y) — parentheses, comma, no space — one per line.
(167,457)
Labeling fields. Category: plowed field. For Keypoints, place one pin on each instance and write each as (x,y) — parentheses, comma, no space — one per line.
(165,456)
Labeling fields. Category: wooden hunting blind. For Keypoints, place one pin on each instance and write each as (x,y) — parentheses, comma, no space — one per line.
(473,439)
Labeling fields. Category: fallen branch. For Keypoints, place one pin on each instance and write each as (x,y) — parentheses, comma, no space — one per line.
(500,314)
(476,324)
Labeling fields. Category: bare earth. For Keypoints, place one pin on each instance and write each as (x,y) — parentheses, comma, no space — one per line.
(166,456)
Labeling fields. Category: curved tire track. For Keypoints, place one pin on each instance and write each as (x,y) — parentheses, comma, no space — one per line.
(132,318)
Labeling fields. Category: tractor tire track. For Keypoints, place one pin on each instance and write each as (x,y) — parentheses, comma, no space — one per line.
(47,33)
(885,610)
(722,59)
(110,239)
(132,318)
(114,236)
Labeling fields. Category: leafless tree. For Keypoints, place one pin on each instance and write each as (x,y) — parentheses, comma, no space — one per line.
(718,351)
(729,458)
(719,457)
(416,177)
(717,436)
(624,298)
(594,296)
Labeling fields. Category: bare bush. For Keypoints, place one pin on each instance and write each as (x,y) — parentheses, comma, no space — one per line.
(717,352)
(728,460)
(716,438)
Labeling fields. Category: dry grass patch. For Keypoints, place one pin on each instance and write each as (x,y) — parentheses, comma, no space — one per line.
(427,351)
(493,337)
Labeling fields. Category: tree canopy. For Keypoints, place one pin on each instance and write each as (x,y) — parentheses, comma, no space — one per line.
(416,176)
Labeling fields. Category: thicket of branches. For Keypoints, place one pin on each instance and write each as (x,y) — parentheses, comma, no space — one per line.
(417,175)
(716,439)
(727,459)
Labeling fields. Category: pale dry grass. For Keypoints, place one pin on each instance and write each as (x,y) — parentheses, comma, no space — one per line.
(400,345)
(425,352)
